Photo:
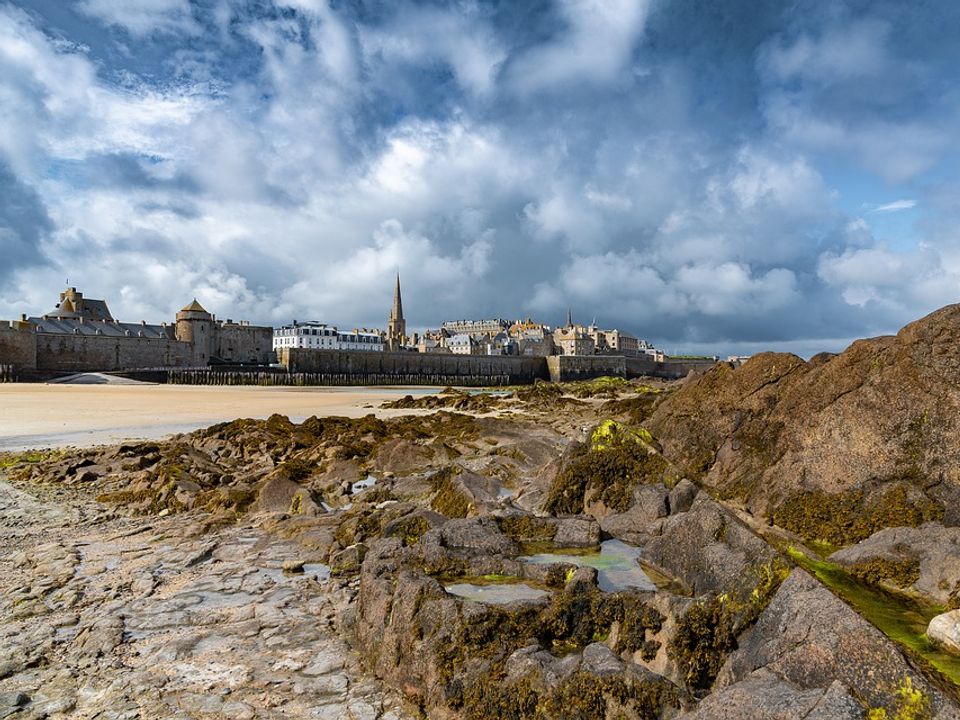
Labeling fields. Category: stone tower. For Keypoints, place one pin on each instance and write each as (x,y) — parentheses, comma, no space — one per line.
(396,326)
(195,326)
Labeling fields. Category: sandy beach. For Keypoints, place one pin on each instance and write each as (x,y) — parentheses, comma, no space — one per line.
(34,415)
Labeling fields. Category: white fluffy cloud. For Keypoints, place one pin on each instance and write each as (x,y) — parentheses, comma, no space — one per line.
(594,47)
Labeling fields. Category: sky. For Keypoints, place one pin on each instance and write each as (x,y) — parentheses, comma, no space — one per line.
(721,177)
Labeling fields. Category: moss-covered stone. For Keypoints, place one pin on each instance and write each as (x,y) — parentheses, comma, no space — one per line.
(617,459)
(708,632)
(527,528)
(902,572)
(448,498)
(409,529)
(846,518)
(704,637)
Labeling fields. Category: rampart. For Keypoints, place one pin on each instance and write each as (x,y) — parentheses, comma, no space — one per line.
(18,345)
(96,353)
(563,368)
(403,368)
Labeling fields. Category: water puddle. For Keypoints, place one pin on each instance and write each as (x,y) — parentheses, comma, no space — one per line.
(497,593)
(319,571)
(362,485)
(616,565)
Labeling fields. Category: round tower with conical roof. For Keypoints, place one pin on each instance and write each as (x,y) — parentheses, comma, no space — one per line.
(195,326)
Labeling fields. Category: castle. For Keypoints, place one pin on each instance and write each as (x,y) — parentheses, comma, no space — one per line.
(81,335)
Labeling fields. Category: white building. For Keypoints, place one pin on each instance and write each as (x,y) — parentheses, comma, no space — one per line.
(464,344)
(319,336)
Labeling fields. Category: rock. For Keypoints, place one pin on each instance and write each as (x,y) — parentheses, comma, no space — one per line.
(682,496)
(12,702)
(348,560)
(835,448)
(481,535)
(708,549)
(650,502)
(186,492)
(280,495)
(325,662)
(808,637)
(577,532)
(944,630)
(764,696)
(926,559)
(293,566)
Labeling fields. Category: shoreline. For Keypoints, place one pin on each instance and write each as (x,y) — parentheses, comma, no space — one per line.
(35,416)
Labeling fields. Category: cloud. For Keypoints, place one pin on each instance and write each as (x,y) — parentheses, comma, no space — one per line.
(460,39)
(696,178)
(24,224)
(142,17)
(595,45)
(895,206)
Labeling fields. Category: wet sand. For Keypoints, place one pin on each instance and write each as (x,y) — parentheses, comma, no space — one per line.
(34,415)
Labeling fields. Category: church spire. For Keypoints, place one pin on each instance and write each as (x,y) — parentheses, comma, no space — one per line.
(569,318)
(396,325)
(396,312)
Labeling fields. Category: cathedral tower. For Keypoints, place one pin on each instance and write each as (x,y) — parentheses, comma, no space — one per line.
(396,326)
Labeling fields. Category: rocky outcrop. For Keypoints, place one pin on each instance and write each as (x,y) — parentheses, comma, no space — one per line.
(811,640)
(835,448)
(455,658)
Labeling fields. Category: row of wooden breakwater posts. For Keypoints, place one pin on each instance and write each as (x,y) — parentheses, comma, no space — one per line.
(306,379)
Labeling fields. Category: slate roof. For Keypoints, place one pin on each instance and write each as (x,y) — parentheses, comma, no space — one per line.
(73,326)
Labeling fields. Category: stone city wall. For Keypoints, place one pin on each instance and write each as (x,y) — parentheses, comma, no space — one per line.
(18,346)
(99,353)
(364,367)
(243,344)
(563,368)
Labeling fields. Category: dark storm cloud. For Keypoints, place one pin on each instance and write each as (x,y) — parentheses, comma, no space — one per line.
(705,174)
(24,224)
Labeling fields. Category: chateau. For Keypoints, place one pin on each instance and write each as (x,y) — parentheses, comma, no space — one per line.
(80,334)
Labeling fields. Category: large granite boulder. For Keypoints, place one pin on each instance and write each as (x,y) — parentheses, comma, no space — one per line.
(708,549)
(810,639)
(835,448)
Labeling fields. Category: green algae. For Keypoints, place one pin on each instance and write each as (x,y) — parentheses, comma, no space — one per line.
(901,617)
(12,460)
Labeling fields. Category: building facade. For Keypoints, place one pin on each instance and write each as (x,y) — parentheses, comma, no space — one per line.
(476,327)
(614,342)
(320,336)
(573,340)
(464,344)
